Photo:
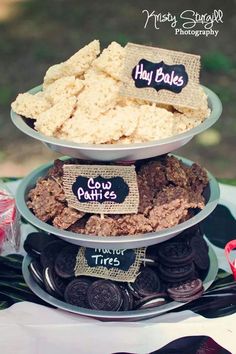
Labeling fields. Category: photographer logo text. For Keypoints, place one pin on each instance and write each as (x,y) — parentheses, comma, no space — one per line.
(188,22)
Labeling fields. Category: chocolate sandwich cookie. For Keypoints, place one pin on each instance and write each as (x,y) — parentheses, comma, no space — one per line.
(151,262)
(187,291)
(76,291)
(152,301)
(189,298)
(35,242)
(104,295)
(200,252)
(36,271)
(151,258)
(147,282)
(66,260)
(175,253)
(50,253)
(176,274)
(132,290)
(128,299)
(54,285)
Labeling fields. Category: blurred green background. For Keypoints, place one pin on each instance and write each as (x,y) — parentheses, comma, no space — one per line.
(37,34)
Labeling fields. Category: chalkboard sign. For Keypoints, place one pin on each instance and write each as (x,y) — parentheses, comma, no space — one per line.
(160,76)
(118,265)
(120,259)
(100,189)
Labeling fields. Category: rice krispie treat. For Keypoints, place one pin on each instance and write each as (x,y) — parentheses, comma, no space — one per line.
(63,88)
(111,61)
(183,123)
(75,65)
(97,98)
(154,123)
(94,75)
(31,106)
(115,123)
(51,120)
(81,102)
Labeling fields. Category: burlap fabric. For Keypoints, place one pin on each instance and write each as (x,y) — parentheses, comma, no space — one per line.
(131,202)
(82,268)
(188,97)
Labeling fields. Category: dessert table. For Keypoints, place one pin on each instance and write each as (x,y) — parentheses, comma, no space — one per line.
(28,327)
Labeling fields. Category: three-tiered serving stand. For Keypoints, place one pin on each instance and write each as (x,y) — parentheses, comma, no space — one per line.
(127,152)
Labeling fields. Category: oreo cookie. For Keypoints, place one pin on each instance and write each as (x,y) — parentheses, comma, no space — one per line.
(151,258)
(54,285)
(147,282)
(200,252)
(175,253)
(188,298)
(35,242)
(50,252)
(128,300)
(151,301)
(76,291)
(104,295)
(132,290)
(65,261)
(177,274)
(186,291)
(36,271)
(150,262)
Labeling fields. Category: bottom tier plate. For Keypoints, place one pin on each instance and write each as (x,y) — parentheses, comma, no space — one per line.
(134,315)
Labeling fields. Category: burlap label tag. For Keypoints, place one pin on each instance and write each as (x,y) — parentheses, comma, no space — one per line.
(101,189)
(117,265)
(161,75)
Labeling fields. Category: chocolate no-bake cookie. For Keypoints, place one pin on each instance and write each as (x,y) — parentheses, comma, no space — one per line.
(169,193)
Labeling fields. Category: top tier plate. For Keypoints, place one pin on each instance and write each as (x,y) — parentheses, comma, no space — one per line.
(118,152)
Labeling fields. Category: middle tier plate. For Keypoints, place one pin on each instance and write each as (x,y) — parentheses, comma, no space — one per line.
(211,194)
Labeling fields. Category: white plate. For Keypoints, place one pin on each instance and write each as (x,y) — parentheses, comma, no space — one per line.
(134,315)
(109,152)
